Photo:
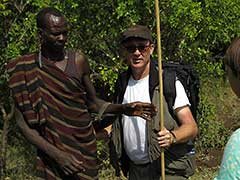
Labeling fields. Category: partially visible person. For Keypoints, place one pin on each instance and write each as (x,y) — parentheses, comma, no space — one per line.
(137,144)
(230,166)
(53,94)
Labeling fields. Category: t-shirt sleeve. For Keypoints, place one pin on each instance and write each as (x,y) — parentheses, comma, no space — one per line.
(181,96)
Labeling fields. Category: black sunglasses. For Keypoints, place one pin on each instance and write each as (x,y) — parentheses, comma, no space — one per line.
(141,48)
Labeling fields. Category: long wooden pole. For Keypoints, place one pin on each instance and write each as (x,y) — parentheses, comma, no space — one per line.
(159,51)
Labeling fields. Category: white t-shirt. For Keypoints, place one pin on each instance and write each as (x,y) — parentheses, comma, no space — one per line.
(134,128)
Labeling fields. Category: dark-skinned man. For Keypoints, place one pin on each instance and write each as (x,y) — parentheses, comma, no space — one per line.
(53,94)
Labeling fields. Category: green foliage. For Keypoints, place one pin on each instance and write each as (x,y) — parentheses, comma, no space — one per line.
(219,113)
(21,156)
(195,31)
(107,73)
(212,133)
(106,171)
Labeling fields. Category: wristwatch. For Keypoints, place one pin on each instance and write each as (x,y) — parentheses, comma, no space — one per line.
(174,139)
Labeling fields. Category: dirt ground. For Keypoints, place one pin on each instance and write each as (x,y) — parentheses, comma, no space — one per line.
(228,111)
(210,159)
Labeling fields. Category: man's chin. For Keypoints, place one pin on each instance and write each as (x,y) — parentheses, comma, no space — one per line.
(137,65)
(58,46)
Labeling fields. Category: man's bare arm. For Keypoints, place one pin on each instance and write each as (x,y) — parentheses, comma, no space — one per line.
(66,161)
(187,129)
(144,110)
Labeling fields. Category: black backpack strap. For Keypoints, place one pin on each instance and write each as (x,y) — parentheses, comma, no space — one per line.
(169,88)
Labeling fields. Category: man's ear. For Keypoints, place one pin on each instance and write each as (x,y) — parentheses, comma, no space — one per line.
(151,48)
(122,53)
(40,35)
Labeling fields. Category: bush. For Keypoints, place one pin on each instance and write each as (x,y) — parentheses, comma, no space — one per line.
(215,109)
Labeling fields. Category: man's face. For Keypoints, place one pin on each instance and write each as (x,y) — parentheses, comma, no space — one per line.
(138,52)
(54,34)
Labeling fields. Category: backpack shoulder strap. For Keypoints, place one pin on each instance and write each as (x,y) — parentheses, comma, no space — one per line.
(169,86)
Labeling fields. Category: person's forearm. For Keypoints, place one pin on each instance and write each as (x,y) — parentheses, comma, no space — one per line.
(97,104)
(116,108)
(66,161)
(141,109)
(185,132)
(34,138)
(188,127)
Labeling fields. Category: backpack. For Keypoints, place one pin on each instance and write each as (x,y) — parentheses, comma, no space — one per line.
(189,78)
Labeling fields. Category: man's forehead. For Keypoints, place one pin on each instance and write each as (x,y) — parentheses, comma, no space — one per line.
(55,19)
(50,18)
(136,40)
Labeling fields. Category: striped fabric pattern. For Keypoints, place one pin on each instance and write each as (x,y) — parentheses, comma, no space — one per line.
(54,104)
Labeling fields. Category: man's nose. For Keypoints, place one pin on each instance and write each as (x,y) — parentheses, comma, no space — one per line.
(137,51)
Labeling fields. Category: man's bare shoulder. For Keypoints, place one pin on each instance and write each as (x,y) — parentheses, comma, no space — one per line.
(82,62)
(80,56)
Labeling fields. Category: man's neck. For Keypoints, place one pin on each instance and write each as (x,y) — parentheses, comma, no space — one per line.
(53,54)
(138,74)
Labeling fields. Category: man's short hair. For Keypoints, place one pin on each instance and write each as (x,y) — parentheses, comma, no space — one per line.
(136,31)
(42,14)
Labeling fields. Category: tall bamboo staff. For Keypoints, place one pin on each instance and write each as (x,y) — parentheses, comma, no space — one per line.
(159,51)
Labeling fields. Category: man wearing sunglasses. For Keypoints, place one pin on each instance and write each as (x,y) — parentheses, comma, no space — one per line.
(137,143)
